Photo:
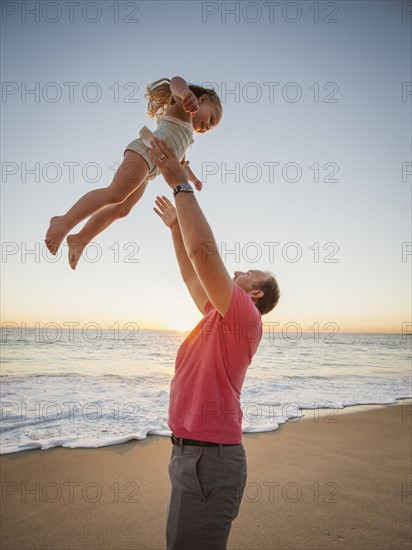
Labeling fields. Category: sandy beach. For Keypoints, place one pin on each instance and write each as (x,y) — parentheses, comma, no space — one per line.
(341,481)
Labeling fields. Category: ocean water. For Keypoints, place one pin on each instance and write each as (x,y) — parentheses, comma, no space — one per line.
(93,388)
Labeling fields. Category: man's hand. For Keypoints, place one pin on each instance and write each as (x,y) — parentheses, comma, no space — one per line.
(165,159)
(166,211)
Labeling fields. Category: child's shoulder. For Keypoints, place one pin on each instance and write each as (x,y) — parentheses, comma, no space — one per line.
(178,112)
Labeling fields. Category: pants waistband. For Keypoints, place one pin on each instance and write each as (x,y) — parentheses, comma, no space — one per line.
(180,441)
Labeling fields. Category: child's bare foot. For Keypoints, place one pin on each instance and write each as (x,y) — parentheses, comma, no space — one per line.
(76,247)
(55,234)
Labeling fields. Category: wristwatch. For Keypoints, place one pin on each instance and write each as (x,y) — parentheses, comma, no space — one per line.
(185,186)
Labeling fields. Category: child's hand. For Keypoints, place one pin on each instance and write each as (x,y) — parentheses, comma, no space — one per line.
(189,102)
(192,178)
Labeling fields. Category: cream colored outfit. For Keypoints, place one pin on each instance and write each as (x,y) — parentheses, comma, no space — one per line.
(177,133)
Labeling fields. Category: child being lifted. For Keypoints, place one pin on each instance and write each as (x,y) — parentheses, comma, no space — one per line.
(181,109)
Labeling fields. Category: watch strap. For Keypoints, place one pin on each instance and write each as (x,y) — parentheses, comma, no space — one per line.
(185,186)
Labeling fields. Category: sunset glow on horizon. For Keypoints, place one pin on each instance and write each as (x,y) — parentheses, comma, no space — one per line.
(308,175)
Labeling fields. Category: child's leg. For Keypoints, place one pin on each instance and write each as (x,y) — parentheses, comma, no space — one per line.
(131,174)
(97,223)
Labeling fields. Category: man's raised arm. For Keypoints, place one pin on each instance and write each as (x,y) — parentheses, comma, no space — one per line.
(167,212)
(197,235)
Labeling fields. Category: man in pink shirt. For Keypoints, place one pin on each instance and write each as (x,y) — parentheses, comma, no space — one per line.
(208,465)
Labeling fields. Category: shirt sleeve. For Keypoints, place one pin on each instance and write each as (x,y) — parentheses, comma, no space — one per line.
(241,332)
(208,307)
(242,311)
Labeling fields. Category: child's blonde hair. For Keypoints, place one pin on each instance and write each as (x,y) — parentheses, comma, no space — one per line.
(160,96)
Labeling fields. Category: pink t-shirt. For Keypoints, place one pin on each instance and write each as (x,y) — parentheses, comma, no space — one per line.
(210,368)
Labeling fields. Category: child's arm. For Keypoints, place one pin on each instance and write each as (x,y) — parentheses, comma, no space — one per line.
(183,96)
(196,182)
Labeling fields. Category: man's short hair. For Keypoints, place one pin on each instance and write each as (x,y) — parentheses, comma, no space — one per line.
(271,294)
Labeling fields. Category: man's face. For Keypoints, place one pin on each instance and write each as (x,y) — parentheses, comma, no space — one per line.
(247,280)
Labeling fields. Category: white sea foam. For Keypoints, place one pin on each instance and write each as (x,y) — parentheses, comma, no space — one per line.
(75,394)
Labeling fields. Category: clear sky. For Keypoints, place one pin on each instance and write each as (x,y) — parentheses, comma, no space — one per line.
(308,175)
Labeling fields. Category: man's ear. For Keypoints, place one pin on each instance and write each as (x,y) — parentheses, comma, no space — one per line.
(255,294)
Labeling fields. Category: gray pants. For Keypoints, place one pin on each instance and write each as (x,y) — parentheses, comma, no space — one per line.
(207,488)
